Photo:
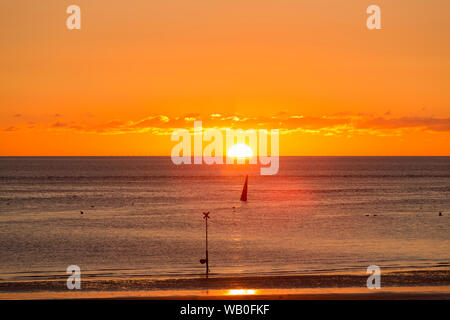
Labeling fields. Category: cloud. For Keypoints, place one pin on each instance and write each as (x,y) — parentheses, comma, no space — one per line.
(430,124)
(328,125)
(59,125)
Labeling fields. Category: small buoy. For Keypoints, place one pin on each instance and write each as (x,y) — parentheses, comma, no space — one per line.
(81,212)
(440,214)
(92,206)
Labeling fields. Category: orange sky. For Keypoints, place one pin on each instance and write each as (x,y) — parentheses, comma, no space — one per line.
(139,69)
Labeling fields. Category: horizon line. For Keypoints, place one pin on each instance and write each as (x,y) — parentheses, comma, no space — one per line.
(168,156)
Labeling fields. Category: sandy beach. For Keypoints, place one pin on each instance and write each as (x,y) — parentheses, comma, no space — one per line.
(411,284)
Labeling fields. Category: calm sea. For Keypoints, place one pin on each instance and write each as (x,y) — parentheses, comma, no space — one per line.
(143,216)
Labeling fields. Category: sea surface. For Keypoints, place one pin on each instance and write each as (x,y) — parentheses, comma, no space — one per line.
(143,216)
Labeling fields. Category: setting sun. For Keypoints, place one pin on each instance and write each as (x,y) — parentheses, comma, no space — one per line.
(240,151)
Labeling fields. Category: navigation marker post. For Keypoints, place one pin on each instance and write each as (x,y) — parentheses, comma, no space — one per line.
(206,260)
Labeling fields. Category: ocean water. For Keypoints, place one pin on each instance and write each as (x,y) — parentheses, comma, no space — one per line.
(143,216)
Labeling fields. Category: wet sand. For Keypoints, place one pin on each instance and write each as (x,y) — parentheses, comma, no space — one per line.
(411,284)
(392,293)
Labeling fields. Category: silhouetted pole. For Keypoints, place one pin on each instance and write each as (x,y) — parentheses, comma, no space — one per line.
(202,261)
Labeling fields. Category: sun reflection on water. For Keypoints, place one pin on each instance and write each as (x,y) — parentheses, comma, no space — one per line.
(235,292)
